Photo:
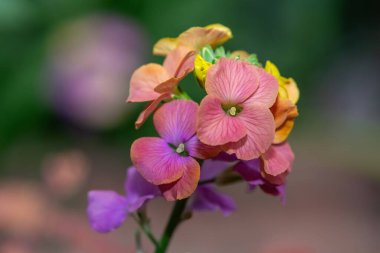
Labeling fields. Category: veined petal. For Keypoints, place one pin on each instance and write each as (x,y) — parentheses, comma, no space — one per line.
(186,185)
(175,121)
(179,61)
(260,127)
(138,190)
(232,81)
(199,150)
(164,46)
(215,126)
(266,92)
(207,198)
(149,109)
(156,161)
(106,210)
(278,159)
(144,80)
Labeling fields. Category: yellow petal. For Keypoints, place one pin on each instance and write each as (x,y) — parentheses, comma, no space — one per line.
(201,66)
(273,70)
(164,46)
(283,132)
(292,89)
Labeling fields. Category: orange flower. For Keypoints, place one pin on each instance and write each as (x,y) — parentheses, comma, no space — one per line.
(284,109)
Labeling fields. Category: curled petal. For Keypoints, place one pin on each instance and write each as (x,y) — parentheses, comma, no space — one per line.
(175,121)
(199,150)
(144,80)
(156,161)
(207,198)
(232,81)
(283,131)
(150,108)
(138,190)
(278,159)
(266,93)
(281,109)
(260,133)
(292,89)
(106,210)
(215,126)
(186,185)
(179,61)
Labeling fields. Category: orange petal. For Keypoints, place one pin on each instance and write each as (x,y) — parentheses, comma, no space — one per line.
(164,46)
(281,109)
(144,80)
(243,55)
(283,131)
(149,109)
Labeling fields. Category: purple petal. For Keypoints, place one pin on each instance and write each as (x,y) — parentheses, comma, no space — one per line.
(175,121)
(138,190)
(211,168)
(207,198)
(250,171)
(106,210)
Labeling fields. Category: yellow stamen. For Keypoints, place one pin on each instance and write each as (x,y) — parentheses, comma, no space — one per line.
(180,148)
(232,111)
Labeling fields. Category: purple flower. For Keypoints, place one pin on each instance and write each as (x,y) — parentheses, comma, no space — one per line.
(107,210)
(251,172)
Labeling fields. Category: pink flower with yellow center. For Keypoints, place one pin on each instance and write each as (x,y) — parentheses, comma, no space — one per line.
(235,114)
(169,161)
(154,82)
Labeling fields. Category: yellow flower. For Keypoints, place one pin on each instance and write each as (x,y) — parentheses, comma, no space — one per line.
(284,109)
(194,39)
(201,67)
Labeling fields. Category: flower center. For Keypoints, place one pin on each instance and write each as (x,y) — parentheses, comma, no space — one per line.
(232,111)
(180,148)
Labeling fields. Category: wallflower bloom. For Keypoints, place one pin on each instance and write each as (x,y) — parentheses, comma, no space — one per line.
(155,82)
(284,110)
(107,210)
(278,159)
(194,39)
(169,161)
(235,113)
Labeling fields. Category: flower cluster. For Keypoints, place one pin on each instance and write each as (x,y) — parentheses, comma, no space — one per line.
(238,131)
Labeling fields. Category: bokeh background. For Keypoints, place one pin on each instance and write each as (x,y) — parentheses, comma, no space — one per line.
(65,127)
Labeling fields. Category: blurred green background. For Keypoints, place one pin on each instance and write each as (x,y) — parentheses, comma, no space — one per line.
(65,68)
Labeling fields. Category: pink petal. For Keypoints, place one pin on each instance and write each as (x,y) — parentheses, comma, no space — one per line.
(215,126)
(197,149)
(260,133)
(278,159)
(186,185)
(232,81)
(156,161)
(149,109)
(175,121)
(179,61)
(266,93)
(144,80)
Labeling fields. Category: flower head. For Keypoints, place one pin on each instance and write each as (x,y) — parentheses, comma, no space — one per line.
(235,113)
(194,39)
(169,160)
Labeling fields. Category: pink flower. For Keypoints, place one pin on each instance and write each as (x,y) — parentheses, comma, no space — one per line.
(154,82)
(235,113)
(169,161)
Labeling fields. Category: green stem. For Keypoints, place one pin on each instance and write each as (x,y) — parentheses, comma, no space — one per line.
(174,220)
(147,230)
